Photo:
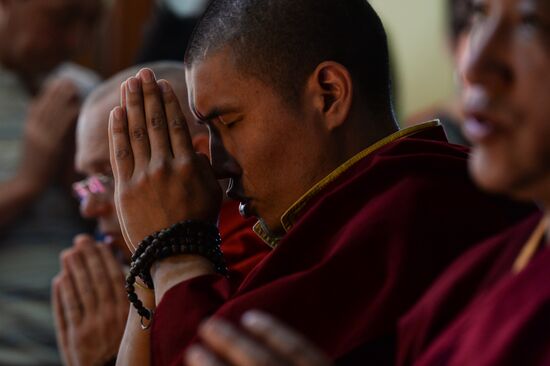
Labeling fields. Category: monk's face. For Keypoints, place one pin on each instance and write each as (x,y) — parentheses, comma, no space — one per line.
(507,97)
(273,152)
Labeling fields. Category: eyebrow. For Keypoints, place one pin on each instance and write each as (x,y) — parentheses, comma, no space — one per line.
(214,112)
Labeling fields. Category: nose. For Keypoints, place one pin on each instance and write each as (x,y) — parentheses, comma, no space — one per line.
(488,54)
(93,206)
(224,165)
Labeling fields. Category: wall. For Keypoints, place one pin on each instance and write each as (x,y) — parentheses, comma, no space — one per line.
(421,63)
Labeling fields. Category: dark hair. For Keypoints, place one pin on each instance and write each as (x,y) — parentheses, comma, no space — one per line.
(458,14)
(281,42)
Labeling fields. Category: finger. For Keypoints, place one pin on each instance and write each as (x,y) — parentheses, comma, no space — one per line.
(123,87)
(59,319)
(122,160)
(235,347)
(287,343)
(115,274)
(180,138)
(93,261)
(82,283)
(199,356)
(157,128)
(72,309)
(137,127)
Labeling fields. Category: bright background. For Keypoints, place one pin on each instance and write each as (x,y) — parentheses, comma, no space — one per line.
(416,29)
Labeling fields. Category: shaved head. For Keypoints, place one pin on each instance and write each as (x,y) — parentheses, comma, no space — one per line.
(282,42)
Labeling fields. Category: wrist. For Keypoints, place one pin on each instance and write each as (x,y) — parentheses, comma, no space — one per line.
(171,271)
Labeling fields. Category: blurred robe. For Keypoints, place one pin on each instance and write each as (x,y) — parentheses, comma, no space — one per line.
(482,313)
(361,247)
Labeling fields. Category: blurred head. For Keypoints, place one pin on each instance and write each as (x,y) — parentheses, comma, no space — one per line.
(506,97)
(458,16)
(289,90)
(37,35)
(92,156)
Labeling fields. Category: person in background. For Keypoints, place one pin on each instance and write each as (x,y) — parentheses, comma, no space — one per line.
(449,112)
(88,295)
(40,95)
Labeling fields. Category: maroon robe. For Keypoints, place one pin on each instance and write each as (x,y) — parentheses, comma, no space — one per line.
(242,248)
(480,313)
(362,252)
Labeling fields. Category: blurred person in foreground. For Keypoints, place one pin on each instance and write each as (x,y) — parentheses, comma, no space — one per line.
(296,96)
(40,97)
(491,307)
(89,300)
(450,112)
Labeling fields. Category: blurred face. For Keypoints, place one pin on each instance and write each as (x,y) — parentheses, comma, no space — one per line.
(92,160)
(44,33)
(272,152)
(507,95)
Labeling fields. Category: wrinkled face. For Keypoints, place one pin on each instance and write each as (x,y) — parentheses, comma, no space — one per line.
(507,95)
(44,33)
(272,152)
(92,160)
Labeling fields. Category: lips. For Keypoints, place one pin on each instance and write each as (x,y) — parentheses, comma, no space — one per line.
(477,130)
(483,115)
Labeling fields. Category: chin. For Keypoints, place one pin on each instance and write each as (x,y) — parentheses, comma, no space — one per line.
(499,176)
(491,175)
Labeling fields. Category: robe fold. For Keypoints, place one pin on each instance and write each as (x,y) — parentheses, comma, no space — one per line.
(481,313)
(360,253)
(241,247)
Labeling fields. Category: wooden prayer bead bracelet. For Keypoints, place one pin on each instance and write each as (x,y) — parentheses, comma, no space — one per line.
(186,237)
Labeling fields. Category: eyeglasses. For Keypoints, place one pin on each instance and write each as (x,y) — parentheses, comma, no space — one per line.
(96,184)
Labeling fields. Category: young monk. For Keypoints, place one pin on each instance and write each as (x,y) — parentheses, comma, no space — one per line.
(492,306)
(361,216)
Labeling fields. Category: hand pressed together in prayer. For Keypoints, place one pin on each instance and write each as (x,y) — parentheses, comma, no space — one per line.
(90,305)
(262,341)
(159,179)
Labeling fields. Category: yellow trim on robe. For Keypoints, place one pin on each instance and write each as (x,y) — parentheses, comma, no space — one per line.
(530,248)
(289,218)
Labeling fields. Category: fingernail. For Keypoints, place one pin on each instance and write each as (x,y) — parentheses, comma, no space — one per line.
(254,319)
(117,113)
(133,85)
(164,87)
(147,75)
(196,355)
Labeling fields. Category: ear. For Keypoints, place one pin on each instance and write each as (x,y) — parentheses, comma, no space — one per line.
(201,143)
(331,87)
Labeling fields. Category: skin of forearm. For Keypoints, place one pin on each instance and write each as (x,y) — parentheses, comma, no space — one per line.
(135,348)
